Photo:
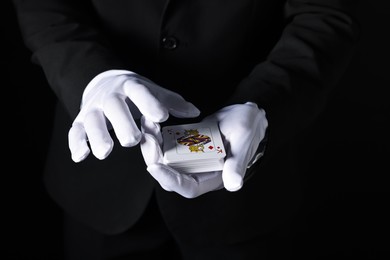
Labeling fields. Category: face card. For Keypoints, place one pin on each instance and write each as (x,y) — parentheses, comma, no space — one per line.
(192,142)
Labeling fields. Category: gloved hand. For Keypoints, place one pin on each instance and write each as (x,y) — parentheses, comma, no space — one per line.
(242,127)
(112,100)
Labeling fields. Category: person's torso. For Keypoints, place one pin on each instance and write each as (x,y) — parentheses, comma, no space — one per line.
(201,49)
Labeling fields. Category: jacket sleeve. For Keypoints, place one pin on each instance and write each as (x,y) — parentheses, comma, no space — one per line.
(303,68)
(65,40)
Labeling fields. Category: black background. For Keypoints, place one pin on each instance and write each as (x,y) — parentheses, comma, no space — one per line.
(346,157)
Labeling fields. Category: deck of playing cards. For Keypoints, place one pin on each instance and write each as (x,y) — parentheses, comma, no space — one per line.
(193,148)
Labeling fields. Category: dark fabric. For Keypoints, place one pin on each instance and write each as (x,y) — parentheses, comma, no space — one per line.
(150,239)
(286,56)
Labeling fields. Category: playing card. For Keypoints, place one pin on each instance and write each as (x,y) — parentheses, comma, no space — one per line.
(193,147)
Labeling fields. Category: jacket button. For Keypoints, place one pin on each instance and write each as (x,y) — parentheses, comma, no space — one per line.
(169,43)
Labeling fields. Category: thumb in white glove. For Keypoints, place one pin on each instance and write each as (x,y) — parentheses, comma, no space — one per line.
(242,127)
(112,100)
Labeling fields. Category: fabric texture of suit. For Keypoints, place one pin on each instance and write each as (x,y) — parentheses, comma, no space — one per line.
(286,56)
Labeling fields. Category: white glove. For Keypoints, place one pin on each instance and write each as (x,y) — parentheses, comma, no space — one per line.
(242,126)
(112,100)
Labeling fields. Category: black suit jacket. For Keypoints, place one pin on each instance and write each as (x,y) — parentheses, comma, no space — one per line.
(284,55)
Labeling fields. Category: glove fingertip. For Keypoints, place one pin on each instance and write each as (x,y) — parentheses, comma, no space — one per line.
(130,140)
(232,181)
(193,110)
(234,187)
(102,150)
(184,109)
(159,117)
(80,155)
